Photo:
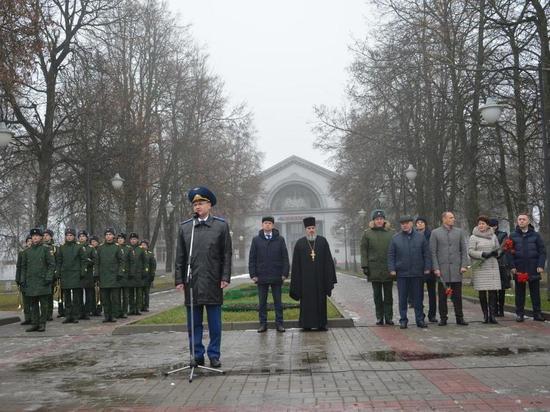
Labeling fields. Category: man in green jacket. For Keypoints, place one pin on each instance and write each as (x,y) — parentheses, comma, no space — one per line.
(136,265)
(374,261)
(110,269)
(71,267)
(37,271)
(47,240)
(87,297)
(124,284)
(151,267)
(26,299)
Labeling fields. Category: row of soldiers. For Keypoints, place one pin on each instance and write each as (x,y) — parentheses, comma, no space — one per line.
(84,275)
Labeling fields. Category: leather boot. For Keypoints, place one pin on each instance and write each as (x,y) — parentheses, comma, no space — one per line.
(483,302)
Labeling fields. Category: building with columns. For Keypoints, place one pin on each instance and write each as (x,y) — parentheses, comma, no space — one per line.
(293,189)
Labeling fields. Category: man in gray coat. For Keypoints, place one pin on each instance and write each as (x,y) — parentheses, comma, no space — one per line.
(449,259)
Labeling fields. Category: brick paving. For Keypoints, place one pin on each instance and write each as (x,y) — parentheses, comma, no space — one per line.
(474,368)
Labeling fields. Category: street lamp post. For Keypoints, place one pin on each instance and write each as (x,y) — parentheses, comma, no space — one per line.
(344,229)
(362,213)
(410,174)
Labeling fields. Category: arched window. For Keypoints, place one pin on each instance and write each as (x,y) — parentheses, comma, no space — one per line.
(295,197)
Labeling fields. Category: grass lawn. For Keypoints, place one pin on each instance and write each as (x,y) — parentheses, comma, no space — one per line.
(468,290)
(9,301)
(235,300)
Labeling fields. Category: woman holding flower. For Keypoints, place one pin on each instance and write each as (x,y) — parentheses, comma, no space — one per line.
(483,247)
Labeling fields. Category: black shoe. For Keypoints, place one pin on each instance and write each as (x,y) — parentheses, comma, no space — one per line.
(85,317)
(25,322)
(492,320)
(485,319)
(60,315)
(137,313)
(538,317)
(432,319)
(67,320)
(520,318)
(402,324)
(422,325)
(41,328)
(323,329)
(199,361)
(390,322)
(442,322)
(145,310)
(462,322)
(380,322)
(111,320)
(105,320)
(215,363)
(122,317)
(32,328)
(280,328)
(262,329)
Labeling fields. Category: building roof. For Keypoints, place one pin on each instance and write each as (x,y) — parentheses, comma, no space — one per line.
(299,161)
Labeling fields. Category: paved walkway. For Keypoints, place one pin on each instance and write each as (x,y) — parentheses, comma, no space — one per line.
(479,367)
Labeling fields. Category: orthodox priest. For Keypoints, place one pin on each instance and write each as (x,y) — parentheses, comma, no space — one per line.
(312,278)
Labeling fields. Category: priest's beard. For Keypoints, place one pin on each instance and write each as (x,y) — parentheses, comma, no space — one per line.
(311,238)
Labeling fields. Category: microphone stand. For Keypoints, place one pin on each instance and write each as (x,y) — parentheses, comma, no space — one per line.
(192,362)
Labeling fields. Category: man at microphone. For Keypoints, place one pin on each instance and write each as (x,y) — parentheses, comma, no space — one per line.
(210,270)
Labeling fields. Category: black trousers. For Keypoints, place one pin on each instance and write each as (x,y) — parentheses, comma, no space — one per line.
(432,297)
(456,297)
(72,303)
(534,291)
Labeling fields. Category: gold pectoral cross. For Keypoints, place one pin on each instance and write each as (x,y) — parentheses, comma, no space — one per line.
(312,254)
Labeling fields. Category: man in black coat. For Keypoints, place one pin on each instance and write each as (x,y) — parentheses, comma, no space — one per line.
(527,257)
(268,266)
(313,277)
(210,267)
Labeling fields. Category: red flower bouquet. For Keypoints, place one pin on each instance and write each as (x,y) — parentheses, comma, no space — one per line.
(522,277)
(448,290)
(508,246)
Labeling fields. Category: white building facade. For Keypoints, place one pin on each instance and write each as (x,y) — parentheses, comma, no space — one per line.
(292,190)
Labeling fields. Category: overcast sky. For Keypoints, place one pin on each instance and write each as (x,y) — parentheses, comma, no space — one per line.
(281,58)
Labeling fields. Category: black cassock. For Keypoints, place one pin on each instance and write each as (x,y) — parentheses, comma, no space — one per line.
(312,279)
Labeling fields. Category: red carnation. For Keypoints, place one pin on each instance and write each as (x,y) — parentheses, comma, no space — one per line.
(448,292)
(522,277)
(508,246)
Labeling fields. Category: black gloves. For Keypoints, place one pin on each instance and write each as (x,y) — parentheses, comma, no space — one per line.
(366,271)
(494,253)
(486,255)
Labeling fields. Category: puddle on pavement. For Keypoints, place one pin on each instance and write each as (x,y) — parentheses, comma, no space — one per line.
(409,356)
(58,362)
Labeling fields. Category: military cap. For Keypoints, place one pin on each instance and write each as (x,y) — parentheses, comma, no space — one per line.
(70,231)
(201,193)
(377,213)
(48,232)
(36,231)
(83,232)
(109,230)
(94,237)
(268,219)
(133,235)
(493,222)
(405,219)
(309,221)
(144,241)
(121,235)
(421,219)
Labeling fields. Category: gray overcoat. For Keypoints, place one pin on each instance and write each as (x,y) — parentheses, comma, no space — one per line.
(449,252)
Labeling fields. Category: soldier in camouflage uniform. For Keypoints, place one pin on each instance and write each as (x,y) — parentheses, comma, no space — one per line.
(71,266)
(124,285)
(37,271)
(151,265)
(87,297)
(48,241)
(110,269)
(137,270)
(26,299)
(94,242)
